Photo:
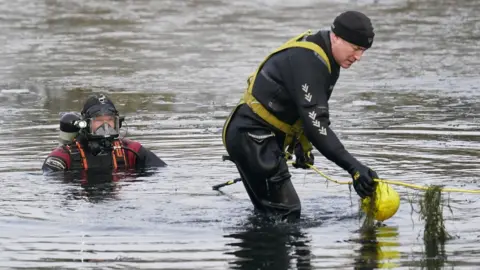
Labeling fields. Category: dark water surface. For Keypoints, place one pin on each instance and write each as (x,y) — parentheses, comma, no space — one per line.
(410,109)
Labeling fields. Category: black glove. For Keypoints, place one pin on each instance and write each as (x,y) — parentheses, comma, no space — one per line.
(302,158)
(363,182)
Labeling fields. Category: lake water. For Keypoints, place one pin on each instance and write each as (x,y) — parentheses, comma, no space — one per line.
(410,110)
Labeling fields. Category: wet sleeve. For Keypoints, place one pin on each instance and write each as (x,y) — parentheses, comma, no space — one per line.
(309,90)
(147,159)
(54,164)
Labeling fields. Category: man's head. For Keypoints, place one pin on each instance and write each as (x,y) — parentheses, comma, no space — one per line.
(102,117)
(352,34)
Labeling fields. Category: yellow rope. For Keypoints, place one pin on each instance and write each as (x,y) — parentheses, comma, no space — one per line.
(392,182)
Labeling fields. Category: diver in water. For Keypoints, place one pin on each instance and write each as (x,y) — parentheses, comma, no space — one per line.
(90,141)
(285,108)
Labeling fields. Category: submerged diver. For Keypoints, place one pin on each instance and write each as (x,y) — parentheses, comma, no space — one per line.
(90,141)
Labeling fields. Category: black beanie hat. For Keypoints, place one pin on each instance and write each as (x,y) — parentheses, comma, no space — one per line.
(98,104)
(354,27)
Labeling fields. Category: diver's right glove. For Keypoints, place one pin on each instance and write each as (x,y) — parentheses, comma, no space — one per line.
(363,180)
(302,159)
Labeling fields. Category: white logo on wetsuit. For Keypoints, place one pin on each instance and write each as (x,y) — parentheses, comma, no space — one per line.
(323,131)
(305,88)
(308,97)
(56,163)
(101,99)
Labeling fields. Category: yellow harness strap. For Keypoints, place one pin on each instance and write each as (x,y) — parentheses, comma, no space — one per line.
(293,132)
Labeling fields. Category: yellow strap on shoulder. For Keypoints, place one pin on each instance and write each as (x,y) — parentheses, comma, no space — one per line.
(258,108)
(294,42)
(294,131)
(307,45)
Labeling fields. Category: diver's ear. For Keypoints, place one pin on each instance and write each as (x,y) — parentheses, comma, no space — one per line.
(120,121)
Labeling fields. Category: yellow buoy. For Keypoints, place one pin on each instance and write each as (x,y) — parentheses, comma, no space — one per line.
(387,202)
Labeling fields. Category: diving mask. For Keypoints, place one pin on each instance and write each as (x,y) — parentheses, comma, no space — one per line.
(104,126)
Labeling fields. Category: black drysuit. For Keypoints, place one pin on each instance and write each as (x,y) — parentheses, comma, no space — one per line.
(293,84)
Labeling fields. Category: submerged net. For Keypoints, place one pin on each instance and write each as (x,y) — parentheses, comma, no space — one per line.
(435,234)
(431,212)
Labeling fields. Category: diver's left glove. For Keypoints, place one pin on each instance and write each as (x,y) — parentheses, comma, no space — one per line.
(303,159)
(363,180)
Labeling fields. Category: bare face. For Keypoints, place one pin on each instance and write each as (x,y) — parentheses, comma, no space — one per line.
(344,52)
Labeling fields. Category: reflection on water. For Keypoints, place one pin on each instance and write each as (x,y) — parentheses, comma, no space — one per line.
(378,248)
(94,185)
(435,256)
(261,244)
